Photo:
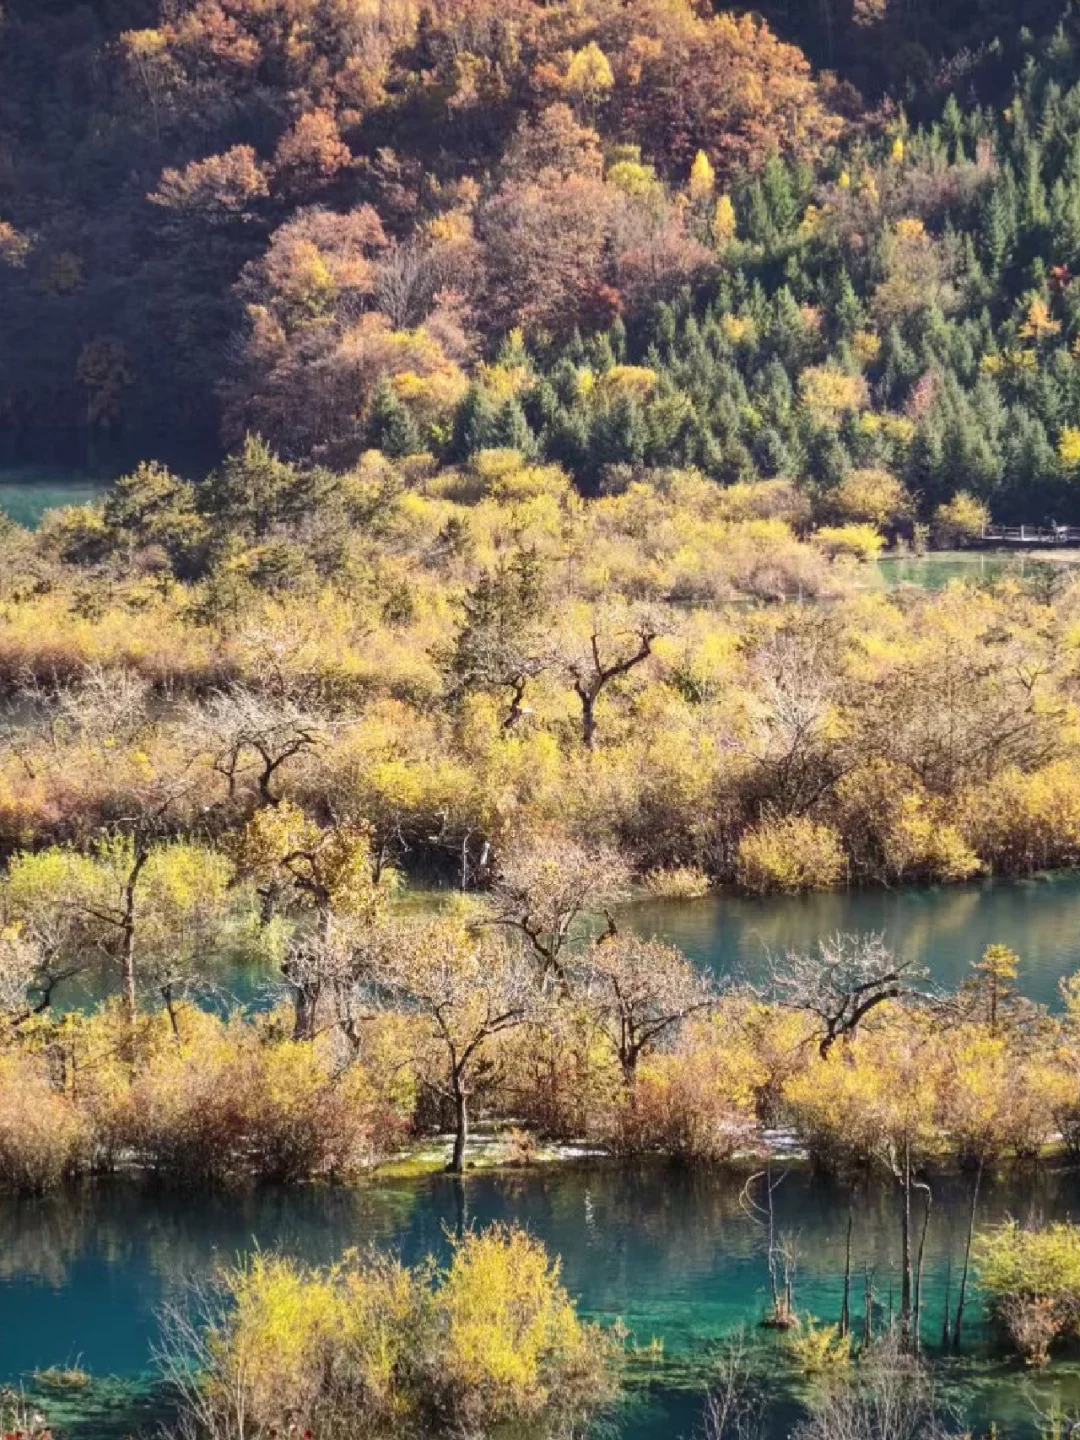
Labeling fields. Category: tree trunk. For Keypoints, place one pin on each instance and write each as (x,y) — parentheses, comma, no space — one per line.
(127,939)
(959,1325)
(127,962)
(461,1133)
(588,721)
(905,1248)
(306,1004)
(917,1336)
(170,1008)
(845,1308)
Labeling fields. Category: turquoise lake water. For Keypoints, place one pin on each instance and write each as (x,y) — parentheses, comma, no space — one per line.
(26,493)
(671,1254)
(943,928)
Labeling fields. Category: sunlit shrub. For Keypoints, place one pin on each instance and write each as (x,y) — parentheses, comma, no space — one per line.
(789,853)
(872,497)
(677,882)
(695,1103)
(868,1096)
(997,1099)
(43,1137)
(228,1104)
(1021,821)
(1031,1278)
(816,1349)
(960,520)
(370,1347)
(860,541)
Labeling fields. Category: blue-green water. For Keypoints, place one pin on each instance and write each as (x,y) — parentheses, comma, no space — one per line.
(935,570)
(27,492)
(941,927)
(671,1254)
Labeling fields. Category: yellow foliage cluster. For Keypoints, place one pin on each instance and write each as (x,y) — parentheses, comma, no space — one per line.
(491,1339)
(790,854)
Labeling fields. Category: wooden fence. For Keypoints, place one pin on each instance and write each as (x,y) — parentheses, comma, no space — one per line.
(1031,535)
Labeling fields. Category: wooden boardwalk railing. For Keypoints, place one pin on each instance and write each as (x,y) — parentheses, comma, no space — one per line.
(1031,535)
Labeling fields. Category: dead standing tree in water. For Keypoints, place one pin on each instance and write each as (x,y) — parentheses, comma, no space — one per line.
(781,1252)
(838,986)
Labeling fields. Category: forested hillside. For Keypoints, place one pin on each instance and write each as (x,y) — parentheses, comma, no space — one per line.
(615,236)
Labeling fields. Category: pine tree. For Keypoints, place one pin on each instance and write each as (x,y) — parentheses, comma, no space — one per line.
(511,431)
(998,227)
(391,427)
(847,309)
(474,424)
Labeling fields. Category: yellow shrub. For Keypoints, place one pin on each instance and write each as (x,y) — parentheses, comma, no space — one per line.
(491,1340)
(871,496)
(861,542)
(43,1137)
(228,1104)
(695,1103)
(789,854)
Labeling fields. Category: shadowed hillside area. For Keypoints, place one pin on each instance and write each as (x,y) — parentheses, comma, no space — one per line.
(613,236)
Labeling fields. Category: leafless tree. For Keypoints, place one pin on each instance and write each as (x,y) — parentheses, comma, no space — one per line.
(330,970)
(544,889)
(733,1406)
(101,701)
(796,680)
(889,1395)
(610,649)
(35,959)
(781,1249)
(210,1392)
(841,982)
(471,985)
(638,990)
(246,731)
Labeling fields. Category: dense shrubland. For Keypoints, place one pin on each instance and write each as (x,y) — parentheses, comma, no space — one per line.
(391,1025)
(241,714)
(462,660)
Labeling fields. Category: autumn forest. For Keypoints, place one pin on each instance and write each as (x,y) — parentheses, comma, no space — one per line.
(556,451)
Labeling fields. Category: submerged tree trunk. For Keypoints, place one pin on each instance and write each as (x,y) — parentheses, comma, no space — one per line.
(845,1308)
(959,1325)
(905,1248)
(917,1337)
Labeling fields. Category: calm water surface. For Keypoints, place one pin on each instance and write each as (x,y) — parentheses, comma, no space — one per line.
(27,492)
(976,567)
(673,1255)
(943,927)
